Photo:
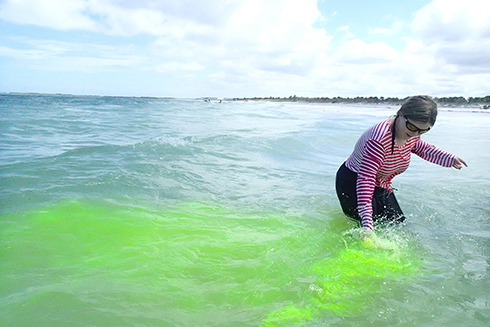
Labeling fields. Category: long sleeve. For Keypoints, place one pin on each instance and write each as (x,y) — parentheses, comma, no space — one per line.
(372,160)
(433,154)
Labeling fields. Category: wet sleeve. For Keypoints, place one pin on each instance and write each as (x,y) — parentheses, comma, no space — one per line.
(373,157)
(432,154)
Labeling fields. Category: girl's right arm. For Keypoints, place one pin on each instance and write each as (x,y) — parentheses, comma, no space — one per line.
(373,156)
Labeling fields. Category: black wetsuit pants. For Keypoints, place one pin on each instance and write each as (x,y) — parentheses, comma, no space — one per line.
(385,205)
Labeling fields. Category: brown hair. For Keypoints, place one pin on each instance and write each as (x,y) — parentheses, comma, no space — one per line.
(419,108)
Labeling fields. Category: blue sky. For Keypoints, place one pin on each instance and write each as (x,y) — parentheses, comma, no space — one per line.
(245,48)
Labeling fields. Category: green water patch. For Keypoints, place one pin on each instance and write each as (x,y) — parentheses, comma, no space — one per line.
(97,262)
(352,279)
(180,264)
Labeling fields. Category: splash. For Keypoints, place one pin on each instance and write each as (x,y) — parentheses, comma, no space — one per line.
(347,281)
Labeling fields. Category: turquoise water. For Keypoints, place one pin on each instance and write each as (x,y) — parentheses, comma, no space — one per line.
(152,212)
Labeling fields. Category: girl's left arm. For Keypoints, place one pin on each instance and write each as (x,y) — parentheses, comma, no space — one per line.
(435,155)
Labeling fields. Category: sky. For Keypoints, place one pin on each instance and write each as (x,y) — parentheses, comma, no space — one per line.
(246,48)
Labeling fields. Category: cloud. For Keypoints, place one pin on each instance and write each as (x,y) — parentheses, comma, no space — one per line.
(276,35)
(172,67)
(452,21)
(273,36)
(210,12)
(358,52)
(456,34)
(101,16)
(347,33)
(56,14)
(71,57)
(383,31)
(259,47)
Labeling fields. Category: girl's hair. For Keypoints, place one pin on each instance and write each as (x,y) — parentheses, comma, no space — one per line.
(419,108)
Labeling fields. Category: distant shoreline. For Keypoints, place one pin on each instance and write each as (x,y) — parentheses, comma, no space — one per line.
(67,95)
(446,103)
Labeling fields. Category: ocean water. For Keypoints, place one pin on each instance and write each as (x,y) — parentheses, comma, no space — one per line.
(153,212)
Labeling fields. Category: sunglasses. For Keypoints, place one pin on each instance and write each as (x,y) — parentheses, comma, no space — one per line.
(412,128)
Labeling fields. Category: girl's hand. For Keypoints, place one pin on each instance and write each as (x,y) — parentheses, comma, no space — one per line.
(458,163)
(373,242)
(366,234)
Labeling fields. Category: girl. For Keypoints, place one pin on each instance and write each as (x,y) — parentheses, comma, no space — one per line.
(363,182)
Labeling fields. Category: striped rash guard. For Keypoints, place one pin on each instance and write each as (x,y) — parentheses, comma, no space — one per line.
(376,165)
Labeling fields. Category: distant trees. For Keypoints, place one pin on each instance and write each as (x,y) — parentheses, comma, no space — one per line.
(457,101)
(445,101)
(482,100)
(461,101)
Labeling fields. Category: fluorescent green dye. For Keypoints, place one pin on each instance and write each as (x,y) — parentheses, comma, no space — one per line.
(346,281)
(288,315)
(116,265)
(99,263)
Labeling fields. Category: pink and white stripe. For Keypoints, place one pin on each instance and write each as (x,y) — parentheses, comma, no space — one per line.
(375,165)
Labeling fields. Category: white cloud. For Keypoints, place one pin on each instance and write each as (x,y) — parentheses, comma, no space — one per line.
(172,67)
(358,52)
(452,21)
(104,16)
(261,47)
(383,31)
(56,14)
(273,35)
(456,35)
(72,57)
(347,33)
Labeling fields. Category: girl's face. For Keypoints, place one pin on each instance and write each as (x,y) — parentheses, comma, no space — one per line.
(406,129)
